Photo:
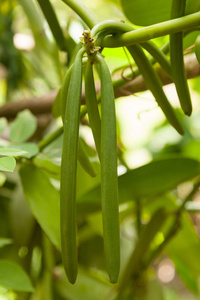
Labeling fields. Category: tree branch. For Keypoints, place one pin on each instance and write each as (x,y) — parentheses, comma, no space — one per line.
(43,104)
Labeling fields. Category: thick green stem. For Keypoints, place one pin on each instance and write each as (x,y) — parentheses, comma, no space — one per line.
(153,31)
(177,60)
(50,138)
(83,12)
(158,55)
(112,26)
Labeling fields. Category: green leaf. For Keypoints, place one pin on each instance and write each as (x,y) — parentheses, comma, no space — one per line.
(148,12)
(189,40)
(12,152)
(48,164)
(43,199)
(30,149)
(23,127)
(3,124)
(7,164)
(12,276)
(5,242)
(147,181)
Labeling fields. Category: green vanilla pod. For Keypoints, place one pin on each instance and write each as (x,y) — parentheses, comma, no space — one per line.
(177,61)
(82,156)
(158,55)
(109,180)
(92,106)
(69,170)
(154,84)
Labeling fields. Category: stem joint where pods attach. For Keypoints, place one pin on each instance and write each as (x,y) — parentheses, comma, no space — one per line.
(88,44)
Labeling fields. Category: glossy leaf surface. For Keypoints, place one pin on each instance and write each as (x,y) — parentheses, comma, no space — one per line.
(147,12)
(147,181)
(7,164)
(43,200)
(12,276)
(23,127)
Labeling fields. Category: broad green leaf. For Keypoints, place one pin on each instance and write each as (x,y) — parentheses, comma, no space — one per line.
(148,12)
(189,40)
(3,124)
(12,276)
(12,152)
(147,181)
(30,149)
(23,127)
(7,164)
(5,242)
(48,164)
(43,200)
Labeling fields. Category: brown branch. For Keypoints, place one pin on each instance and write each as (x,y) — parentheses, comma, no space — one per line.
(192,69)
(37,105)
(41,105)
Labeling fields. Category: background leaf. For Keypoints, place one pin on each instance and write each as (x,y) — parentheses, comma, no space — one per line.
(12,152)
(147,12)
(43,199)
(145,182)
(13,277)
(7,164)
(29,149)
(23,127)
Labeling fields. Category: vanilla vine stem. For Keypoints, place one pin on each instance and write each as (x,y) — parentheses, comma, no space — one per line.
(150,32)
(83,12)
